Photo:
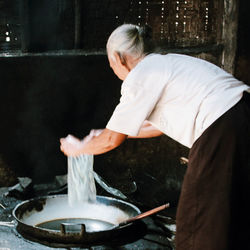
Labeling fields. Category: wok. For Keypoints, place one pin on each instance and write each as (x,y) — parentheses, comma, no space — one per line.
(51,219)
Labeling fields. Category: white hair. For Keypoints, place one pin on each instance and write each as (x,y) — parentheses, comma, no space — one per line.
(126,39)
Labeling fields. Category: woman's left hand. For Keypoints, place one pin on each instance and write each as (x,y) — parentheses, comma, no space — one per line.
(71,146)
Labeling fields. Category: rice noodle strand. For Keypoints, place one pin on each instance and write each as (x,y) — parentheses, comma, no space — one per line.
(81,182)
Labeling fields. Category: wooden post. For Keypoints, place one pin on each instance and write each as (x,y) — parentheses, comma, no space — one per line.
(78,23)
(229,34)
(24,17)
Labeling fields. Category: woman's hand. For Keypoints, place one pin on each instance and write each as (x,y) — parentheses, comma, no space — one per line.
(71,146)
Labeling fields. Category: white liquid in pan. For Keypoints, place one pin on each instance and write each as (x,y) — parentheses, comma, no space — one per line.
(59,209)
(81,181)
(75,224)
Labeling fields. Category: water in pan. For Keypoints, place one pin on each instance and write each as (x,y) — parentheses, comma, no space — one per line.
(75,224)
(60,209)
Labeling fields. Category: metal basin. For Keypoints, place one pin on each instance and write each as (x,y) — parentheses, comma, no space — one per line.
(51,219)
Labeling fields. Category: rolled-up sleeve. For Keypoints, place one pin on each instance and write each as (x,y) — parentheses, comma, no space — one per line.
(137,102)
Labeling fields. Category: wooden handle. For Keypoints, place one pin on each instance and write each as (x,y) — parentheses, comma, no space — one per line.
(145,214)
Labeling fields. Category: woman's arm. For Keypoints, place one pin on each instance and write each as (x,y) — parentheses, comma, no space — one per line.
(102,140)
(147,131)
(95,143)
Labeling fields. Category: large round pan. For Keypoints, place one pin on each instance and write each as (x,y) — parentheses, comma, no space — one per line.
(51,219)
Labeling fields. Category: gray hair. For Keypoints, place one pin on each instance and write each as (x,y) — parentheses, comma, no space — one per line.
(130,39)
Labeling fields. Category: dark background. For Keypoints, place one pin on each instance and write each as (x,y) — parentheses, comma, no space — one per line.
(46,96)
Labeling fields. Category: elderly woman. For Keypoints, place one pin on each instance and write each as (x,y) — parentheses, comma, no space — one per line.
(202,107)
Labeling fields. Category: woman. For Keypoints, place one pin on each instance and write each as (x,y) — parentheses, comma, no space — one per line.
(200,106)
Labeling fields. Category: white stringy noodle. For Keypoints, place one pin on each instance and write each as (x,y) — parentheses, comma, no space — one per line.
(81,182)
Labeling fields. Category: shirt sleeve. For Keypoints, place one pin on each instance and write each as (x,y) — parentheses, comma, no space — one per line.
(139,96)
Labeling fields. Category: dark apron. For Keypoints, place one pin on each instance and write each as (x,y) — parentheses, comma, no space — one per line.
(213,211)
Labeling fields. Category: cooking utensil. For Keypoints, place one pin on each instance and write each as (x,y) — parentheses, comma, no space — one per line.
(77,225)
(30,214)
(145,214)
(92,225)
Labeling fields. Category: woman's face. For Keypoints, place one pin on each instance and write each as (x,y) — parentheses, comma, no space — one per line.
(119,68)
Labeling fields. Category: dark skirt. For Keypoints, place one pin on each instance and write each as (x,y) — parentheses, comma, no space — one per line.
(214,206)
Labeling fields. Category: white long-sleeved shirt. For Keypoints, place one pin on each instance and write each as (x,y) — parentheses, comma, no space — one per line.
(180,95)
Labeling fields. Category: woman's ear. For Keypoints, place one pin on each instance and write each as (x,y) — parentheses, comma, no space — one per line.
(119,59)
(120,69)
